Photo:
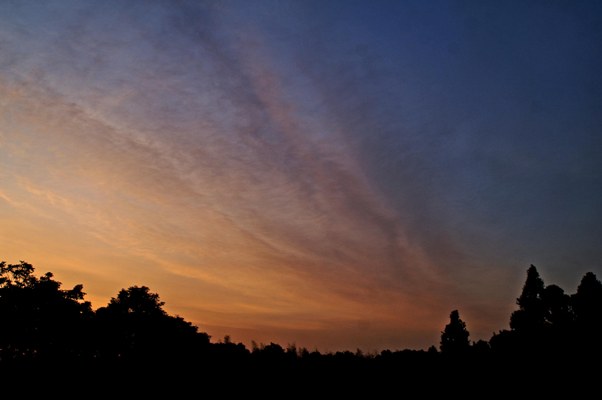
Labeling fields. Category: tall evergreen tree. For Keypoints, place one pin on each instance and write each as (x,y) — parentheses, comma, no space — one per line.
(530,316)
(454,338)
(587,307)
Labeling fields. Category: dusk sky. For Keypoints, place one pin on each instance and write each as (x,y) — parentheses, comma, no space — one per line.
(334,174)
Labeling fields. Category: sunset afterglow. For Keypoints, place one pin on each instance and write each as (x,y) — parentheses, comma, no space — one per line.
(335,174)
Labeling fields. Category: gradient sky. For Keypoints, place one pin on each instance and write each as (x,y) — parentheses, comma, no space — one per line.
(335,174)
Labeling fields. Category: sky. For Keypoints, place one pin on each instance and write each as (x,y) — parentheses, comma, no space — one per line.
(338,175)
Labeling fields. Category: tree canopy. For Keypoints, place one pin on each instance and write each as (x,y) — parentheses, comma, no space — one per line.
(454,338)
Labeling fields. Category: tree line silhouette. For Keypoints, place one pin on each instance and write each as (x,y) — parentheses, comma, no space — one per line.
(45,329)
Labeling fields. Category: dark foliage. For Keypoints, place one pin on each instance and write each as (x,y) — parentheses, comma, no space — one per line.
(50,336)
(38,320)
(454,338)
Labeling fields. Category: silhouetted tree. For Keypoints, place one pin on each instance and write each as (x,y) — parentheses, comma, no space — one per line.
(454,338)
(38,320)
(134,327)
(549,323)
(529,318)
(587,308)
(557,308)
(137,300)
(587,302)
(558,320)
